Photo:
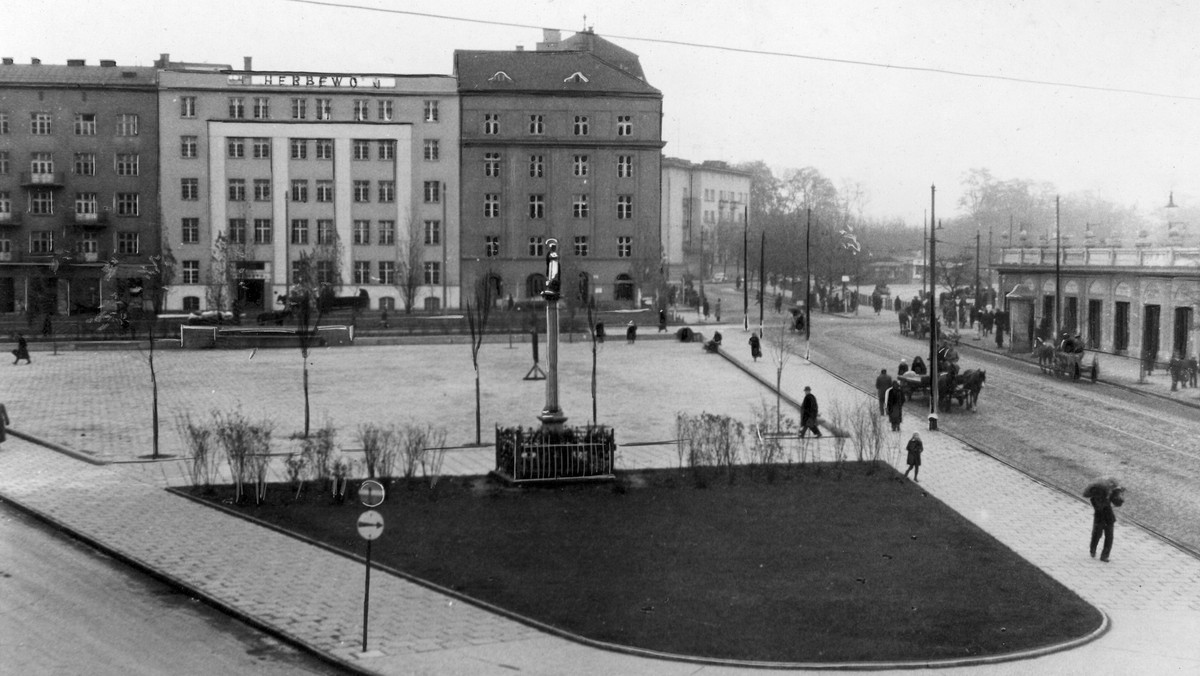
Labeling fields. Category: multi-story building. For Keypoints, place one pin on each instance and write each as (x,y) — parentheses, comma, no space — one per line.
(78,182)
(703,215)
(562,143)
(260,167)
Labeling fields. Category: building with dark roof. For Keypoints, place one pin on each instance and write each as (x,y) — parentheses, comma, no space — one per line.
(561,143)
(78,182)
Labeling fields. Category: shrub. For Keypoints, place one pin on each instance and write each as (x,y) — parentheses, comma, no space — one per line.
(379,449)
(318,450)
(711,442)
(296,467)
(247,449)
(201,461)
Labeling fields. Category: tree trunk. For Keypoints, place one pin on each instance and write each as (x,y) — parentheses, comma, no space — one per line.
(306,409)
(478,420)
(778,383)
(154,389)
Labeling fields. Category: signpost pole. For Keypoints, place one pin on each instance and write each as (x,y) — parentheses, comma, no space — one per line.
(367,597)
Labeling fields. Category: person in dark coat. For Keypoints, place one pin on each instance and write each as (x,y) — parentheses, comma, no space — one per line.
(894,405)
(755,347)
(903,368)
(599,332)
(918,366)
(1104,495)
(914,448)
(22,351)
(4,423)
(631,332)
(808,413)
(662,320)
(882,384)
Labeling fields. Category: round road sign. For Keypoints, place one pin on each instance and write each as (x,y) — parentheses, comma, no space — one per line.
(370,524)
(370,493)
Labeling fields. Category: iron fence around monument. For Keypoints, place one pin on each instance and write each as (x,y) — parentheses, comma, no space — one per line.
(526,455)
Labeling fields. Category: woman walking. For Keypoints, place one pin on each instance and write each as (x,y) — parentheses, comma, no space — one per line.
(22,351)
(915,448)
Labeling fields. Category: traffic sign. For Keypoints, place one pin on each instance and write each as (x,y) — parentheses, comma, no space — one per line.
(371,493)
(370,524)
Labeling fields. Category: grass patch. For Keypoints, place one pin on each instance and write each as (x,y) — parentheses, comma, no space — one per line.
(813,566)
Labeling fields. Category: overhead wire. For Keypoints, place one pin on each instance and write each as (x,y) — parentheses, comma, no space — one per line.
(764,52)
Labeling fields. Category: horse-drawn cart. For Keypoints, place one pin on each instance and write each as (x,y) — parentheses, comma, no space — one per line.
(962,387)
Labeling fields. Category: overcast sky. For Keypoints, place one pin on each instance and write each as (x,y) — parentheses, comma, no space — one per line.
(894,130)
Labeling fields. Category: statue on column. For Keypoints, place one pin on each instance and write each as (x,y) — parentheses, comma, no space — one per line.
(553,290)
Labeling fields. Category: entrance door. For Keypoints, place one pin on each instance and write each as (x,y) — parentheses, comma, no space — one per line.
(1183,327)
(1095,313)
(1072,319)
(1150,324)
(250,293)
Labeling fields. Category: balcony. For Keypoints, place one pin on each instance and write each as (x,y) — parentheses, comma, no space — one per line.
(91,219)
(44,179)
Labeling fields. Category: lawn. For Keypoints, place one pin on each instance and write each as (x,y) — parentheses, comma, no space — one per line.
(817,565)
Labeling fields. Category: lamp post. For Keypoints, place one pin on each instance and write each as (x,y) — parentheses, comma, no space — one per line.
(552,416)
(1057,271)
(807,282)
(933,327)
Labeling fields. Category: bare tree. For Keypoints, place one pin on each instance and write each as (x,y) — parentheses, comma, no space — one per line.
(783,344)
(410,267)
(223,270)
(317,272)
(478,309)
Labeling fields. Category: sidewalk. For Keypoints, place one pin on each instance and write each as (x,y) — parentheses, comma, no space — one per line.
(1150,591)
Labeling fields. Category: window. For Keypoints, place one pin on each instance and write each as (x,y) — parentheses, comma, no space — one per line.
(387,150)
(433,272)
(187,147)
(85,164)
(5,205)
(85,204)
(39,124)
(262,108)
(299,109)
(3,162)
(431,111)
(1121,326)
(624,247)
(324,191)
(624,125)
(237,190)
(127,243)
(127,164)
(262,231)
(324,149)
(262,190)
(324,109)
(579,206)
(581,125)
(491,205)
(325,232)
(41,242)
(299,190)
(433,192)
(491,246)
(362,272)
(387,272)
(4,123)
(387,232)
(299,148)
(299,231)
(189,189)
(537,125)
(580,165)
(127,204)
(491,165)
(191,303)
(581,245)
(537,246)
(237,108)
(386,110)
(189,230)
(298,275)
(624,166)
(387,192)
(431,150)
(191,272)
(89,243)
(85,124)
(433,232)
(537,206)
(362,149)
(537,166)
(362,110)
(262,148)
(187,106)
(362,191)
(127,124)
(362,232)
(491,123)
(236,147)
(624,207)
(237,231)
(41,163)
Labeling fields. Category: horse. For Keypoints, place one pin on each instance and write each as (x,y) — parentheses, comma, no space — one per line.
(1045,354)
(972,381)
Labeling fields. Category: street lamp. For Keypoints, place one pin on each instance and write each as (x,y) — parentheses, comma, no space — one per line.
(933,327)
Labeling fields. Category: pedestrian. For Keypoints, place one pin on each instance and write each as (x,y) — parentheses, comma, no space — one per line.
(662,320)
(383,318)
(894,405)
(631,332)
(1104,495)
(755,346)
(599,332)
(903,368)
(717,310)
(704,306)
(22,351)
(914,448)
(883,382)
(808,413)
(778,303)
(4,423)
(918,366)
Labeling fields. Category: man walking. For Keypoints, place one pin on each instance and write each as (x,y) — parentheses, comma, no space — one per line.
(1104,495)
(882,383)
(808,413)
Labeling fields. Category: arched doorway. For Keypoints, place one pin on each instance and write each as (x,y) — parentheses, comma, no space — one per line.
(534,285)
(494,288)
(623,287)
(584,288)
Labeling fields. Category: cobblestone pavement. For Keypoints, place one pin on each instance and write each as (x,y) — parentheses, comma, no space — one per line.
(95,403)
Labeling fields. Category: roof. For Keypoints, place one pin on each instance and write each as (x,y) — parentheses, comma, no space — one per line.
(98,76)
(587,41)
(549,71)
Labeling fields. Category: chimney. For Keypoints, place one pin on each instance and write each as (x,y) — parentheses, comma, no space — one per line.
(8,61)
(35,61)
(108,63)
(550,40)
(520,48)
(246,62)
(76,62)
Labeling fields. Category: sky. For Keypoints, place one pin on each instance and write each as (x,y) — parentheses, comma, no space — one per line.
(849,87)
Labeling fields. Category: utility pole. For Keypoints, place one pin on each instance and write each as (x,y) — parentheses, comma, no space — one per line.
(977,270)
(933,327)
(746,275)
(1057,270)
(807,282)
(762,283)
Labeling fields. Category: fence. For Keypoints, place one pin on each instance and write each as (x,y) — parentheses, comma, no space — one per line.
(528,455)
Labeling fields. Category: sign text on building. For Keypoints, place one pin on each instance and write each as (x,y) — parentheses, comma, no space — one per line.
(319,81)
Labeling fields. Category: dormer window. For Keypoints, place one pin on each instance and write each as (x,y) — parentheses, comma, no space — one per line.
(500,76)
(577,78)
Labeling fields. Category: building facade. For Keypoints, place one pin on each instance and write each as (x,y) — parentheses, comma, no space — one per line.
(1135,301)
(561,143)
(78,182)
(703,217)
(260,167)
